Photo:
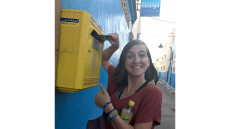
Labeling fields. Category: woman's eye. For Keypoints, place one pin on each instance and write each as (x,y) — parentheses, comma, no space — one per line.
(142,55)
(130,56)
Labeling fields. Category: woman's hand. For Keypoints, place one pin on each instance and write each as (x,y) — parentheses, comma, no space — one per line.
(102,97)
(114,40)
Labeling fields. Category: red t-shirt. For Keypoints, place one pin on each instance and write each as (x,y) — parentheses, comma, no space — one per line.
(147,105)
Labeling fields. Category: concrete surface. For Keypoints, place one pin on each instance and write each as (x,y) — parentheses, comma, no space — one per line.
(168,107)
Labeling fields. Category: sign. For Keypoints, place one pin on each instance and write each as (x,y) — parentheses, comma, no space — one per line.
(150,8)
(69,21)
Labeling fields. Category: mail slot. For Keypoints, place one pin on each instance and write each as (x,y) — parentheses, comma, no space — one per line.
(80,51)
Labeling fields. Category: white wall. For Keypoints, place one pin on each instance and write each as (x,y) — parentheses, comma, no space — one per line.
(173,68)
(157,64)
(165,57)
(174,49)
(137,26)
(166,52)
(174,57)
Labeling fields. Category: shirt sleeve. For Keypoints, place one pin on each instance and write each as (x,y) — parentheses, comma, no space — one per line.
(150,108)
(111,84)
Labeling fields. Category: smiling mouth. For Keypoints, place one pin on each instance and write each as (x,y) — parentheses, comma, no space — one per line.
(136,67)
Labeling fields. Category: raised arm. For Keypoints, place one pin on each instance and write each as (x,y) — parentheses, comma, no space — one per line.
(108,52)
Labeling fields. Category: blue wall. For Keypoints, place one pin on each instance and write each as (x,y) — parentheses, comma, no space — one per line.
(171,80)
(73,110)
(132,9)
(164,76)
(172,83)
(159,74)
(169,76)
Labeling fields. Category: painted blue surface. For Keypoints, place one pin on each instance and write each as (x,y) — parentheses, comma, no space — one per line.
(172,83)
(171,79)
(164,76)
(132,9)
(73,110)
(159,74)
(169,76)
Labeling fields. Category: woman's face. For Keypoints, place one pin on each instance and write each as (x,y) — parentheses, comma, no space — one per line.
(137,61)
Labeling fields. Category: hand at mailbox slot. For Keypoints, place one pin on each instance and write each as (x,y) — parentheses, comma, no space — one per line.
(114,40)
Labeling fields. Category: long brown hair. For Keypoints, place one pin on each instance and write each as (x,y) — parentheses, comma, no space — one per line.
(121,74)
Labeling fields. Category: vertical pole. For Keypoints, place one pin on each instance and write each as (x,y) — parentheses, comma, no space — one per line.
(57,26)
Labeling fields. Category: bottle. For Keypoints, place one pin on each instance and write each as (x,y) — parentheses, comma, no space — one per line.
(127,112)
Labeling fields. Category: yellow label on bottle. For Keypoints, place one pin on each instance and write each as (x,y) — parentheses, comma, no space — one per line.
(125,117)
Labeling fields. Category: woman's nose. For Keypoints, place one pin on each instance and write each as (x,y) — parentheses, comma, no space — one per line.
(136,59)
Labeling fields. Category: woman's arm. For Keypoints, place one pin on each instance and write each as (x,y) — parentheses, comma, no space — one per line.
(108,52)
(102,98)
(119,123)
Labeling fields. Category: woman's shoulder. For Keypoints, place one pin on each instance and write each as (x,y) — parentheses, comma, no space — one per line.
(152,86)
(111,66)
(152,90)
(111,83)
(111,69)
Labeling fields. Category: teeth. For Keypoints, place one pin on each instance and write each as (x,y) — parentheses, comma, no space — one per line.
(137,67)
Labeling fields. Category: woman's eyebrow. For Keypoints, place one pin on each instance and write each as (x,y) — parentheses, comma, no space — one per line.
(142,51)
(138,52)
(130,52)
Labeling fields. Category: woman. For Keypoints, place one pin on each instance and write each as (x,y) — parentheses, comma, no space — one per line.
(130,81)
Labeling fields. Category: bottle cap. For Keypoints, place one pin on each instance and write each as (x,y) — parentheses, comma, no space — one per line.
(131,103)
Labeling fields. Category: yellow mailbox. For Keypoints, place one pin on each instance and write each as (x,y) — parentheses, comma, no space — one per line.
(80,51)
